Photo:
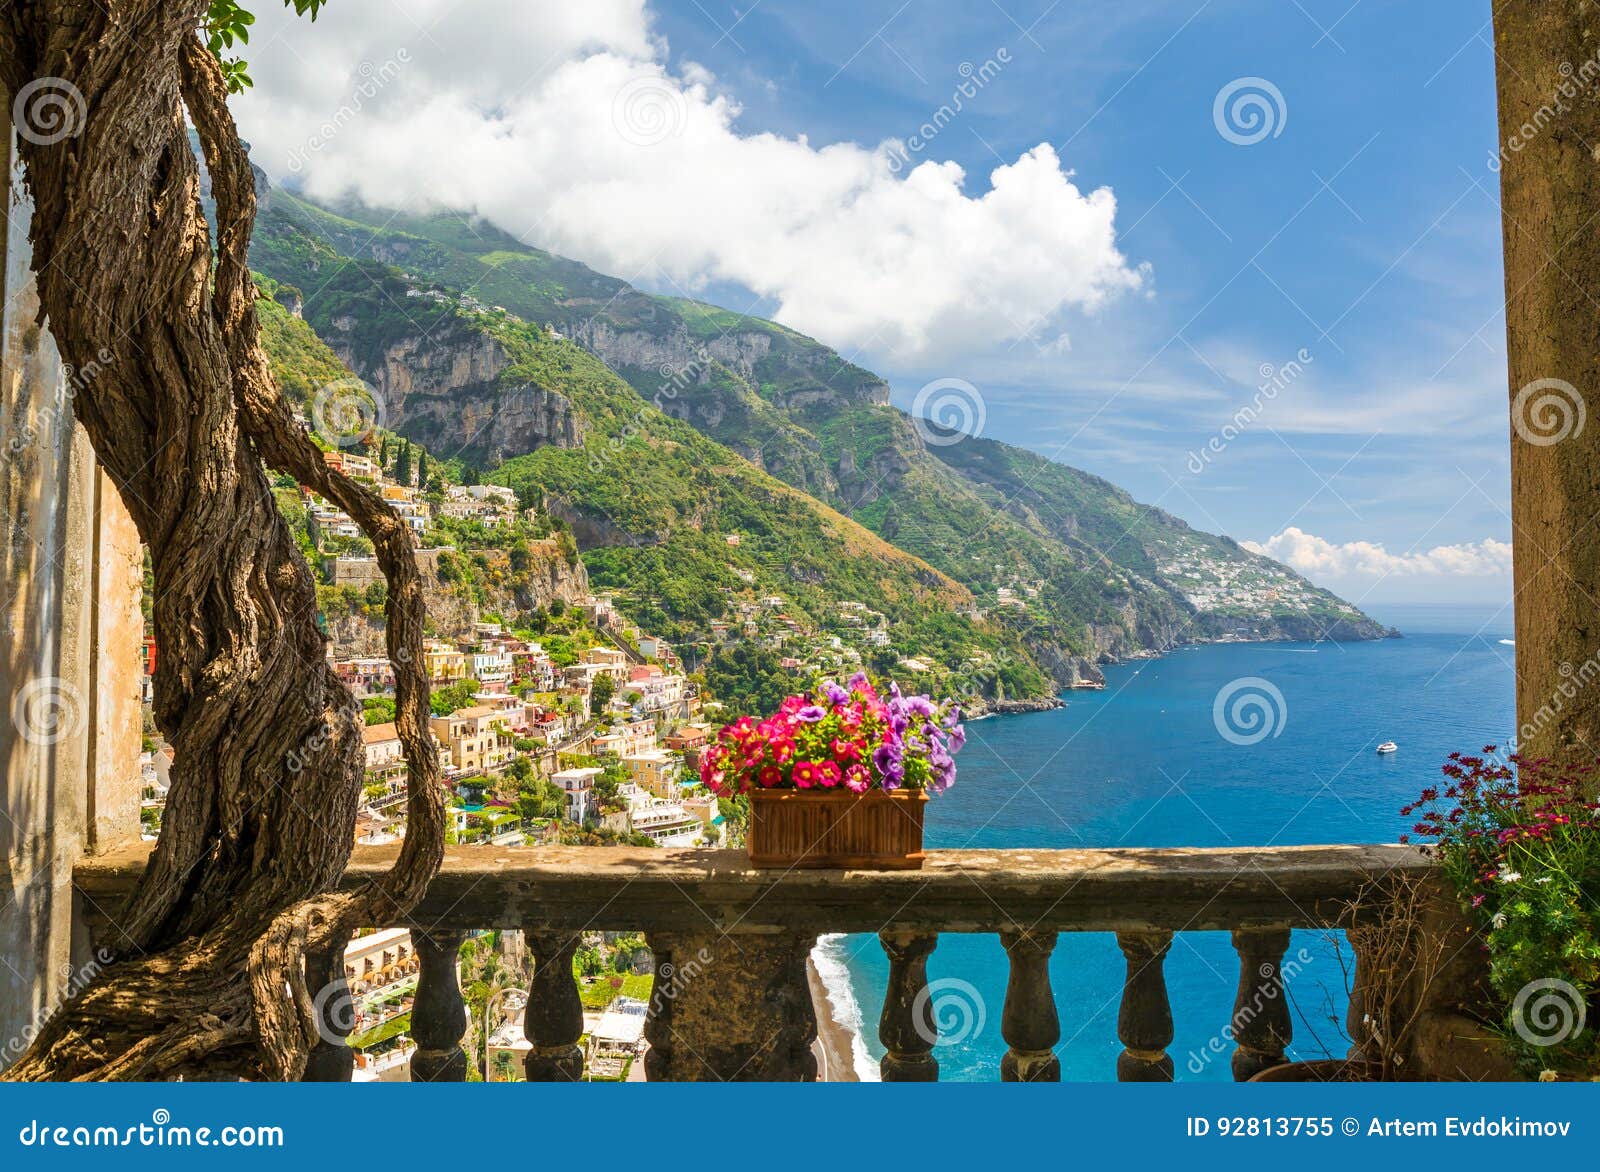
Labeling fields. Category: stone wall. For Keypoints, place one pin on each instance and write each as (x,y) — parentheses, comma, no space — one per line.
(70,637)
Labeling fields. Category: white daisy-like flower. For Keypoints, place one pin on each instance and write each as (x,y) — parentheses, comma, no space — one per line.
(1498,919)
(1542,879)
(1510,876)
(1547,1076)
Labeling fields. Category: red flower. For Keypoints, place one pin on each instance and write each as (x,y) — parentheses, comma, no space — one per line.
(770,776)
(807,774)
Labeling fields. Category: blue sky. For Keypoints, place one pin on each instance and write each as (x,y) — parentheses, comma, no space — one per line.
(1355,247)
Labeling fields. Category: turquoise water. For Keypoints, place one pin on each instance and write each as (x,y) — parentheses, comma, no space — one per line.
(1143,763)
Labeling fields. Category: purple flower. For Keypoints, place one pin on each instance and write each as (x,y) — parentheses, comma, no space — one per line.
(886,760)
(835,694)
(811,713)
(957,737)
(919,706)
(858,682)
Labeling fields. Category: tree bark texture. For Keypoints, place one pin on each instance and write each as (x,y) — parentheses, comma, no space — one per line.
(1547,55)
(186,418)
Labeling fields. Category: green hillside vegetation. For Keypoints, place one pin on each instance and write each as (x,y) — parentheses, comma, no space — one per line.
(1064,567)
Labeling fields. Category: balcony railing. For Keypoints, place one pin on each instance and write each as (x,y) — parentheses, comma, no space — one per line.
(731,998)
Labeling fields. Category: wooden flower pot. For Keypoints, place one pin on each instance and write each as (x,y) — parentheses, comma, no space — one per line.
(878,830)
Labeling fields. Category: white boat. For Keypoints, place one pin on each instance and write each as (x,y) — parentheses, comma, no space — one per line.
(1388,747)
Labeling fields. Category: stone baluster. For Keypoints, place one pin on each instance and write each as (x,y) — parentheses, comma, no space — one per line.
(553,1020)
(1028,1022)
(438,1015)
(1144,1023)
(330,1060)
(731,1009)
(1261,1025)
(908,1026)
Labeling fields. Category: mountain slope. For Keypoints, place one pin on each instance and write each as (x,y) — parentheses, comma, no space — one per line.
(1077,568)
(688,534)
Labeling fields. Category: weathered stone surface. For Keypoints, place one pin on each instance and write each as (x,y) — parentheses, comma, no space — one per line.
(908,1027)
(630,889)
(1144,1022)
(1261,1025)
(438,1015)
(731,1009)
(1029,1022)
(553,1020)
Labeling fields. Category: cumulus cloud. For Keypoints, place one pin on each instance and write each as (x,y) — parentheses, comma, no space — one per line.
(567,125)
(1320,559)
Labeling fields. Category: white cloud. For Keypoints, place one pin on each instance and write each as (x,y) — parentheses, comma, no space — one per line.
(563,124)
(1323,560)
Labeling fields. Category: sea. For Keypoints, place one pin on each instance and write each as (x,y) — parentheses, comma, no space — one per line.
(1288,756)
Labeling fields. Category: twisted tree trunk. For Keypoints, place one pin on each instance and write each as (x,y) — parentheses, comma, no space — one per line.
(183,414)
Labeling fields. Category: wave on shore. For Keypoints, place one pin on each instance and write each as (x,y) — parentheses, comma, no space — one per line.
(828,957)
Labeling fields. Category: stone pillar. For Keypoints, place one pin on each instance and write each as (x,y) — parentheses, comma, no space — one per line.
(731,1009)
(70,631)
(1546,55)
(1262,1028)
(1144,1023)
(1029,1022)
(553,1019)
(438,1015)
(908,1026)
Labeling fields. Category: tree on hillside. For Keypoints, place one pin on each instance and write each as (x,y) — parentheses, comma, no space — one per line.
(185,417)
(454,697)
(402,463)
(422,469)
(601,689)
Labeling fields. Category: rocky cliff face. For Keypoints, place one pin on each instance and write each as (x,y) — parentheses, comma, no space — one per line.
(453,611)
(445,391)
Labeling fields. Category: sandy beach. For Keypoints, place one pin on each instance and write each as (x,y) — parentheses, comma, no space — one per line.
(835,1053)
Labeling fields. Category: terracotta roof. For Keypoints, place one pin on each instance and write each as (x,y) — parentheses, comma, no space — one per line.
(373,733)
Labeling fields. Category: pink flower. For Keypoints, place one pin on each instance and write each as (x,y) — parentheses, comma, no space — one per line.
(844,750)
(807,774)
(770,776)
(830,774)
(858,779)
(782,751)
